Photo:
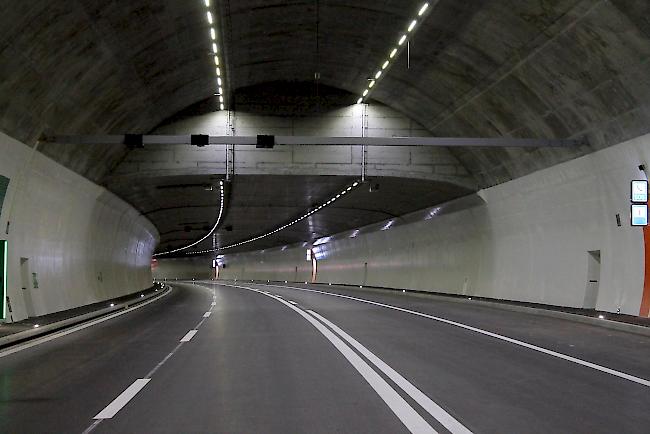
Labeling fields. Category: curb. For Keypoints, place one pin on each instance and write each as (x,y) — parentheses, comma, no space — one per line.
(568,316)
(26,335)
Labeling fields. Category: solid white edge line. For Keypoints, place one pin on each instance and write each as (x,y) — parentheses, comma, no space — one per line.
(207,314)
(189,335)
(585,363)
(447,420)
(123,399)
(409,417)
(56,335)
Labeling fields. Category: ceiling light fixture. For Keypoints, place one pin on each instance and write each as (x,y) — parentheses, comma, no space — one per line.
(396,50)
(298,220)
(214,228)
(215,49)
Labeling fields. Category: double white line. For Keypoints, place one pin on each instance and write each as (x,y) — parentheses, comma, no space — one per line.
(398,405)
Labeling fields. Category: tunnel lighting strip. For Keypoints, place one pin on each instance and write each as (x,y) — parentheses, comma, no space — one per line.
(281,228)
(396,50)
(215,52)
(214,228)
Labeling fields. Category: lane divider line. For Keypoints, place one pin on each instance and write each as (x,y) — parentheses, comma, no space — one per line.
(51,337)
(294,303)
(213,304)
(447,420)
(207,314)
(406,414)
(623,375)
(188,337)
(118,403)
(123,398)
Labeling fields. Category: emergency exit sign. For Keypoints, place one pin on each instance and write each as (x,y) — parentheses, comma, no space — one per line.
(639,191)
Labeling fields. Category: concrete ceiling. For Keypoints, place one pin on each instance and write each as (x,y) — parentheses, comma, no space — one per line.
(184,208)
(547,68)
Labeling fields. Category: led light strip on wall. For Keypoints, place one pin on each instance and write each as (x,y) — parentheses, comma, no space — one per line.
(217,60)
(288,225)
(214,228)
(396,50)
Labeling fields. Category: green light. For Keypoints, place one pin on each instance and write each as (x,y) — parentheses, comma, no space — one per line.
(3,293)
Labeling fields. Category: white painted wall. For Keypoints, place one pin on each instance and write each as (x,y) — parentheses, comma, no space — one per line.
(432,163)
(85,244)
(183,268)
(529,242)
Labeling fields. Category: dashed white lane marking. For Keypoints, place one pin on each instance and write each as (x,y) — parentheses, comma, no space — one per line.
(575,360)
(213,304)
(188,337)
(447,420)
(207,314)
(123,399)
(409,417)
(293,302)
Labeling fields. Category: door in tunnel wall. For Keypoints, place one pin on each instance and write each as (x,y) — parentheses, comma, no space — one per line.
(26,287)
(593,279)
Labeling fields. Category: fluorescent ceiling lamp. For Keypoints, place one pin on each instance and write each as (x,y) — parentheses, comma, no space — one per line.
(396,50)
(207,3)
(210,17)
(213,34)
(215,50)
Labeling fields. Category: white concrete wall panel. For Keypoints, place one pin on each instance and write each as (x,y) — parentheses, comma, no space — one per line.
(183,269)
(404,161)
(85,244)
(529,242)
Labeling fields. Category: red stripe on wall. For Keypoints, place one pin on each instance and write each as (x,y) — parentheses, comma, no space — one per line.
(645,300)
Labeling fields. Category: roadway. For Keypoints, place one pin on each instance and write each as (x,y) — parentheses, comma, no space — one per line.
(242,357)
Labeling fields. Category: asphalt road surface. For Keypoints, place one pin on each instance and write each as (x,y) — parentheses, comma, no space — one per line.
(242,357)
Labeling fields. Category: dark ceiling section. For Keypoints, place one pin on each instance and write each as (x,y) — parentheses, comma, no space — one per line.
(278,98)
(558,69)
(184,208)
(277,40)
(260,204)
(90,66)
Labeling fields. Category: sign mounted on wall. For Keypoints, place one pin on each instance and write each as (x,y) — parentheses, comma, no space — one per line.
(3,279)
(639,191)
(639,215)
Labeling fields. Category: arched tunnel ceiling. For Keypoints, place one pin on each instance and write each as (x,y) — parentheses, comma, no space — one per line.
(547,69)
(483,68)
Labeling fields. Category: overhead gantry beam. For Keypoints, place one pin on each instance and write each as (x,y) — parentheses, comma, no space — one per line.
(507,142)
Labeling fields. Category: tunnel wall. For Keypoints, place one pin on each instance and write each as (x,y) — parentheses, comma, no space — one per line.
(183,268)
(529,242)
(83,243)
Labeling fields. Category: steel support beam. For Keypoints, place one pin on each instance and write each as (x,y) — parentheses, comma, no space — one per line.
(507,142)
